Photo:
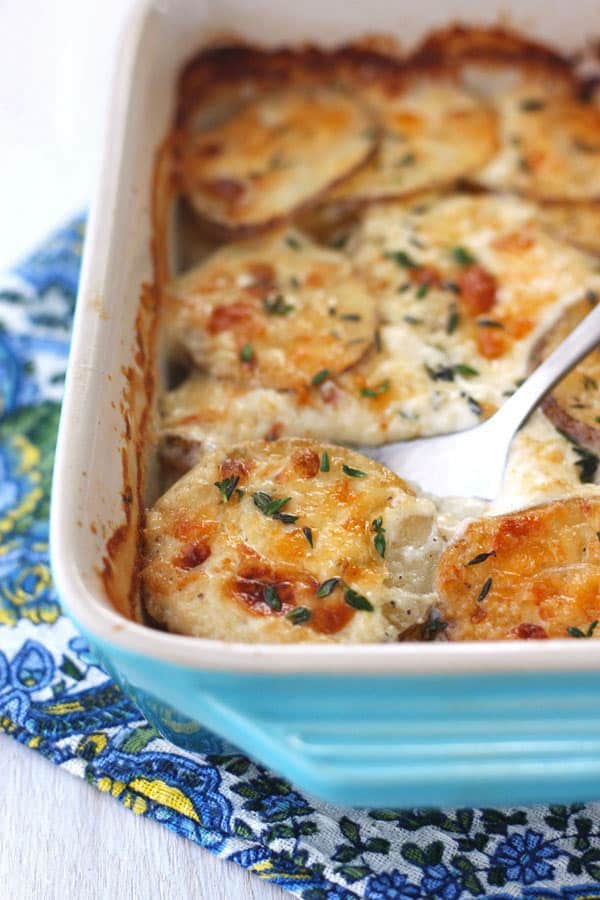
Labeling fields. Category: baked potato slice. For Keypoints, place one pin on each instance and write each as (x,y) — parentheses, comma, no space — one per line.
(289,541)
(276,310)
(578,223)
(268,157)
(530,574)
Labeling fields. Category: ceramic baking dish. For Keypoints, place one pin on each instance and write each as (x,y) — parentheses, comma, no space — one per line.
(394,725)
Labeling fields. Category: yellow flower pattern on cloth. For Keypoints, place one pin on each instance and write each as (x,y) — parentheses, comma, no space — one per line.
(56,698)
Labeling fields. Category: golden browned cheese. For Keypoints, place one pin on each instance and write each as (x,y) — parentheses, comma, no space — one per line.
(433,132)
(574,404)
(273,154)
(575,222)
(531,574)
(290,541)
(278,310)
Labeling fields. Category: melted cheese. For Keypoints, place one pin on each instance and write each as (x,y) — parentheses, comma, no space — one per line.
(228,556)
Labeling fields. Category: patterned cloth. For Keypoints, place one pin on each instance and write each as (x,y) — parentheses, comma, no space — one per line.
(55,698)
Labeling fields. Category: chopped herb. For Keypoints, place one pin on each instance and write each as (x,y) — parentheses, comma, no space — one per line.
(379,539)
(474,406)
(321,376)
(376,391)
(484,590)
(587,464)
(327,587)
(451,286)
(465,371)
(278,306)
(325,461)
(590,383)
(308,535)
(227,486)
(240,492)
(292,242)
(598,535)
(272,506)
(532,104)
(481,557)
(247,353)
(378,344)
(462,256)
(357,601)
(597,419)
(270,597)
(351,317)
(423,291)
(444,373)
(489,323)
(578,633)
(453,320)
(299,615)
(407,160)
(353,473)
(433,626)
(402,259)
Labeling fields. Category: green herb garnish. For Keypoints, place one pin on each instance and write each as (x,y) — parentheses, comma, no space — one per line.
(376,391)
(484,590)
(353,473)
(299,615)
(357,601)
(227,486)
(453,320)
(379,539)
(433,626)
(402,258)
(327,587)
(489,323)
(474,406)
(320,377)
(351,317)
(308,535)
(247,353)
(378,344)
(270,597)
(578,633)
(272,506)
(481,557)
(324,461)
(277,306)
(423,291)
(465,371)
(462,256)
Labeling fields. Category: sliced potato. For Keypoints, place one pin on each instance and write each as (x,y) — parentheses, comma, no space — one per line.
(433,132)
(277,310)
(578,223)
(530,574)
(574,404)
(273,154)
(290,541)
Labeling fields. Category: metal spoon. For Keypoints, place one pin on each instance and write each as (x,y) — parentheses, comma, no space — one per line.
(471,463)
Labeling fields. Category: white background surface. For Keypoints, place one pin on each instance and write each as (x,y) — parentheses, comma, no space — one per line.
(60,838)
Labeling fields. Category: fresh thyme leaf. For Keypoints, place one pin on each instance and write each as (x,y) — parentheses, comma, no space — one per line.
(247,353)
(227,486)
(320,377)
(423,291)
(587,464)
(474,406)
(357,601)
(272,506)
(275,506)
(453,319)
(308,535)
(402,258)
(292,242)
(578,633)
(270,597)
(532,104)
(299,615)
(481,557)
(433,626)
(443,373)
(484,590)
(324,461)
(327,587)
(462,256)
(277,306)
(489,323)
(464,370)
(376,391)
(379,539)
(353,473)
(286,518)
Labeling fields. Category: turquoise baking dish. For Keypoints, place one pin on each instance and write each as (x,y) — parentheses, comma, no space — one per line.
(379,725)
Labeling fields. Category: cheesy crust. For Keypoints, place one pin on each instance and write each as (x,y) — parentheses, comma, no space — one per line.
(275,310)
(273,154)
(290,541)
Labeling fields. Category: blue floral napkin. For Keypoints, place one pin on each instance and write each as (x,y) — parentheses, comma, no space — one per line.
(56,699)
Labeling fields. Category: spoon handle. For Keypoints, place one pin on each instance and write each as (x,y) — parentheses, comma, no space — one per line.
(581,341)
